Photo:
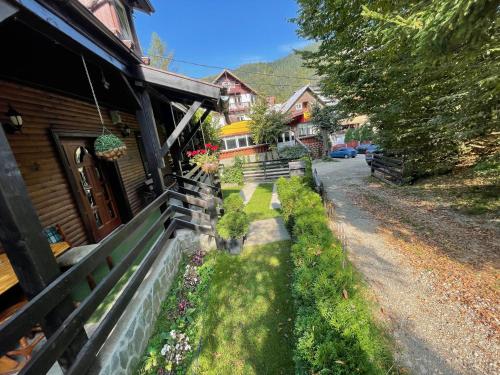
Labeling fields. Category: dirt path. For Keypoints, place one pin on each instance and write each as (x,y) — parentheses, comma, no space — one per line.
(433,271)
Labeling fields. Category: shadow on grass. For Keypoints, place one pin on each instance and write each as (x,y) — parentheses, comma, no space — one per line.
(248,323)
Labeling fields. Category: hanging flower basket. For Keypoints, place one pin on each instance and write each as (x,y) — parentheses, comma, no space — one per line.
(109,147)
(207,158)
(210,167)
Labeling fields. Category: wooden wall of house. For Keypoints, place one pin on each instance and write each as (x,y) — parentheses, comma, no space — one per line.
(39,161)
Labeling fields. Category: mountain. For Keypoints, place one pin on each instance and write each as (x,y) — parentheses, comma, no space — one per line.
(282,82)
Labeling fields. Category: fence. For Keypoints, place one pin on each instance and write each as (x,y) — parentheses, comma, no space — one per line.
(388,169)
(266,170)
(44,303)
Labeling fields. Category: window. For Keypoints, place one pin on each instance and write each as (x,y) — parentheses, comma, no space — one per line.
(243,142)
(306,130)
(121,12)
(230,143)
(240,118)
(298,106)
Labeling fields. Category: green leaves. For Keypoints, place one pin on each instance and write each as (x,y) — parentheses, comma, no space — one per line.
(426,73)
(266,124)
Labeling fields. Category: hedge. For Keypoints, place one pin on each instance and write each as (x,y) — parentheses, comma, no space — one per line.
(334,329)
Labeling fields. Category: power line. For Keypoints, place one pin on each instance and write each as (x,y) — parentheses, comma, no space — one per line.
(226,68)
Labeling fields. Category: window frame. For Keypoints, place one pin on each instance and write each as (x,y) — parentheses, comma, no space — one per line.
(298,106)
(123,20)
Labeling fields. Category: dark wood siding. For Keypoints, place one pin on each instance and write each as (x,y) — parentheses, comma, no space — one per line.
(39,160)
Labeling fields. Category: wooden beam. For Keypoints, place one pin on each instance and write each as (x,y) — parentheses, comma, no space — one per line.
(180,127)
(190,136)
(29,253)
(149,133)
(131,90)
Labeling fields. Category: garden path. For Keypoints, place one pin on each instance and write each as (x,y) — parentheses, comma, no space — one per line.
(440,309)
(267,231)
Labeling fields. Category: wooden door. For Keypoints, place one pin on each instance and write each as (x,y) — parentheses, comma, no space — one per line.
(94,191)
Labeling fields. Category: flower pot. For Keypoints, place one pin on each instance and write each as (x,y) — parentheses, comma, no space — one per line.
(210,167)
(112,154)
(234,245)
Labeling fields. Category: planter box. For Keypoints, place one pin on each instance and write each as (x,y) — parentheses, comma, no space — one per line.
(234,245)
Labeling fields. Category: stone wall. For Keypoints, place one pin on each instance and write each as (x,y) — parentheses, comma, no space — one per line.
(125,346)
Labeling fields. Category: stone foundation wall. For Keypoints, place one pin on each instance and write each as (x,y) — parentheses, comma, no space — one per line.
(125,346)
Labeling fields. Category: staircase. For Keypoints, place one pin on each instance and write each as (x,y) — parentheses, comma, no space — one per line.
(268,170)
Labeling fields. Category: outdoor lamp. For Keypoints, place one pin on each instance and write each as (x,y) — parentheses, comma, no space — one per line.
(125,131)
(16,121)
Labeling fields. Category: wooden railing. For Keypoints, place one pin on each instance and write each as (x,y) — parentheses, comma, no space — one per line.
(388,169)
(40,306)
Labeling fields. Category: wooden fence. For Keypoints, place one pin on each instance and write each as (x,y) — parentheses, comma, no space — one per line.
(388,169)
(266,170)
(39,307)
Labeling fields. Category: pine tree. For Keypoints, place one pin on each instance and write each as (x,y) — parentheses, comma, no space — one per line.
(157,52)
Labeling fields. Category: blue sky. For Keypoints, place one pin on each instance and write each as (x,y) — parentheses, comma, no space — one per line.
(221,32)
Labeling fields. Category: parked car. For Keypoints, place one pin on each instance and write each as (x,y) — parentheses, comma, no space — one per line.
(374,149)
(344,152)
(361,149)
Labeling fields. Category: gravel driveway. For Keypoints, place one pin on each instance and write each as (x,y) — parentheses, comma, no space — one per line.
(435,331)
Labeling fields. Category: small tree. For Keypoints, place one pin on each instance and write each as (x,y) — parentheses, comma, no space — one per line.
(326,121)
(349,135)
(266,124)
(157,52)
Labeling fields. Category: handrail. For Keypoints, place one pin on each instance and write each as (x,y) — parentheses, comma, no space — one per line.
(35,311)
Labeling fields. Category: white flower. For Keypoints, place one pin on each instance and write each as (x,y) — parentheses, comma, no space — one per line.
(172,334)
(164,350)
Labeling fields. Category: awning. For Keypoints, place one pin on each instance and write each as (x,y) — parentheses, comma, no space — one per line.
(236,128)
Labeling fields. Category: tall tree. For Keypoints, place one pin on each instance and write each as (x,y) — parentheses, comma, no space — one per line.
(266,124)
(426,72)
(158,54)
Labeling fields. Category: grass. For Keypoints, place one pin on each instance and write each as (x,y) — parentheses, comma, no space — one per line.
(258,206)
(248,318)
(226,192)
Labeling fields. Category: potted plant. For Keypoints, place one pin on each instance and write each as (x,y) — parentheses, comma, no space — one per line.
(109,147)
(234,225)
(207,158)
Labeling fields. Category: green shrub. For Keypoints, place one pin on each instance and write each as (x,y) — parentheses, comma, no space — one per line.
(234,203)
(293,152)
(335,331)
(233,225)
(234,173)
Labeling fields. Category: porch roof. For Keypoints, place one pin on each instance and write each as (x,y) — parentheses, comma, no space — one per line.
(181,88)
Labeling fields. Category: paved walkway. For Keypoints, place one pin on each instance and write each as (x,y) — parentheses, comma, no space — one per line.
(275,201)
(266,231)
(248,190)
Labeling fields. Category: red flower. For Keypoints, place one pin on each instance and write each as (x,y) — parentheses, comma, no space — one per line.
(189,154)
(203,152)
(208,145)
(215,148)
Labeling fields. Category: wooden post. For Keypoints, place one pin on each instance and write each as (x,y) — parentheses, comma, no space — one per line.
(212,211)
(29,253)
(149,133)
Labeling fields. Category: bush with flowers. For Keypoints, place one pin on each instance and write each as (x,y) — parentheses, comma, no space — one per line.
(206,158)
(172,344)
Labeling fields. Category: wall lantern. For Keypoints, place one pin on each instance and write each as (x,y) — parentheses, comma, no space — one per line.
(16,121)
(125,131)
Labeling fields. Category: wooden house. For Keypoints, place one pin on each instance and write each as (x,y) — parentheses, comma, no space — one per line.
(70,71)
(241,96)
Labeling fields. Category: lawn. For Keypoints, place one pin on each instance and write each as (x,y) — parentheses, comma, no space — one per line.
(248,319)
(258,206)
